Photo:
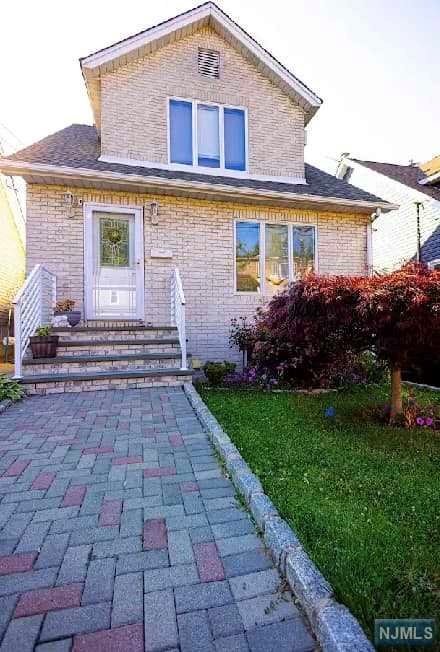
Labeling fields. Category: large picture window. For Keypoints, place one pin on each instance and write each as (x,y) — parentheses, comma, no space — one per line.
(269,256)
(207,135)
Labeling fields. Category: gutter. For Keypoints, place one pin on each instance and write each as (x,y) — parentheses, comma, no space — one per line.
(21,168)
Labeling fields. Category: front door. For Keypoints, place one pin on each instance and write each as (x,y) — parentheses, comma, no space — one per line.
(114,265)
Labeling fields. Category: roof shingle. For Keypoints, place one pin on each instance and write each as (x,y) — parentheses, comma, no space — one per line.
(409,175)
(77,146)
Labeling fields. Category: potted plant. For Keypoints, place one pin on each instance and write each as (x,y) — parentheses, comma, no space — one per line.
(65,307)
(43,344)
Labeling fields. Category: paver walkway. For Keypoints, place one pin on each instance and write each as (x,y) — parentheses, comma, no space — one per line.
(119,532)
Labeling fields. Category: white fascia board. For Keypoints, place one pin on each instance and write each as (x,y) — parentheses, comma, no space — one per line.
(208,10)
(20,168)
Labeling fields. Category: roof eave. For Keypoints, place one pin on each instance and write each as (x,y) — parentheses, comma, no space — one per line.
(65,175)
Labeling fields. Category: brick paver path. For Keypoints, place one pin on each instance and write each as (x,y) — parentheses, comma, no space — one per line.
(119,532)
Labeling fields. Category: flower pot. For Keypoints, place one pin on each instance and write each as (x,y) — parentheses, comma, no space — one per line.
(73,317)
(44,346)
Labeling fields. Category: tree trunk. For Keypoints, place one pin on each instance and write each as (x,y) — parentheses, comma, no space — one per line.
(396,392)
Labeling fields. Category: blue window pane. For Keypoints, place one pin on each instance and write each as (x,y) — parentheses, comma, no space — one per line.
(247,257)
(303,246)
(181,132)
(235,140)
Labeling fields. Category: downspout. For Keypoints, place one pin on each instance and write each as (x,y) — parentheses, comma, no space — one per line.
(377,213)
(419,237)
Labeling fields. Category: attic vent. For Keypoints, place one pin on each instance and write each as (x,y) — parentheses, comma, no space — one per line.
(209,63)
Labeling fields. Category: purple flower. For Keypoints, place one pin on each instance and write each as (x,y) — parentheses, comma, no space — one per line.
(429,421)
(420,421)
(330,412)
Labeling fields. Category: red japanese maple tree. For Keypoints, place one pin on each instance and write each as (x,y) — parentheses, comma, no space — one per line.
(402,312)
(320,321)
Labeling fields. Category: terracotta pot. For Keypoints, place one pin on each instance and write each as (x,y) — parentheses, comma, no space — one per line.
(44,346)
(73,317)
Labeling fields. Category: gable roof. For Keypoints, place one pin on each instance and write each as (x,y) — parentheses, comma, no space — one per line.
(207,14)
(76,148)
(409,175)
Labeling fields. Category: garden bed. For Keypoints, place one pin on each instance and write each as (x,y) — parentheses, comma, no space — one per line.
(364,498)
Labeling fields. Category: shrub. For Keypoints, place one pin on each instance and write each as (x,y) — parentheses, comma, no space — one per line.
(10,389)
(241,335)
(64,305)
(43,331)
(359,369)
(216,371)
(250,377)
(309,334)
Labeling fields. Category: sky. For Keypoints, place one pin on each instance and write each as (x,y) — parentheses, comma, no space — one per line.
(375,63)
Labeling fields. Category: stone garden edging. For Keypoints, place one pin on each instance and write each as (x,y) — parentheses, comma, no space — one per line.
(432,388)
(336,629)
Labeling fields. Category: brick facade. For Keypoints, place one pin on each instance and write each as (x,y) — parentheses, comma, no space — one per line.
(140,90)
(200,234)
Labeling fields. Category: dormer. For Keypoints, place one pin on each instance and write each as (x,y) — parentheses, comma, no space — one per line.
(198,94)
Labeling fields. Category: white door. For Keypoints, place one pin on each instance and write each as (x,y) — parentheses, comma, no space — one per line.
(114,262)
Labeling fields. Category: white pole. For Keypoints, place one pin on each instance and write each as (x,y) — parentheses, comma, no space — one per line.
(17,339)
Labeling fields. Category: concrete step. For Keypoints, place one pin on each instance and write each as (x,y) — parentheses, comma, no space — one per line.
(115,333)
(74,364)
(101,380)
(109,323)
(121,347)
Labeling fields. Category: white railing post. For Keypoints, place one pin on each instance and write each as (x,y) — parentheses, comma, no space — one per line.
(178,315)
(183,338)
(17,339)
(32,307)
(54,292)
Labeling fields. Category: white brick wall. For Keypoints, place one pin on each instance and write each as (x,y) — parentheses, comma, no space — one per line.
(200,235)
(134,105)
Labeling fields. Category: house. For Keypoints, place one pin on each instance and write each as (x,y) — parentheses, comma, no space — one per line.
(186,204)
(12,256)
(412,232)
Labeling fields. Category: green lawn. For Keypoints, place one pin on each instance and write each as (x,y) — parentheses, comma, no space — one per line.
(364,498)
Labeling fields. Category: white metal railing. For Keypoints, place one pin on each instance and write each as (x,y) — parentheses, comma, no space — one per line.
(178,313)
(33,307)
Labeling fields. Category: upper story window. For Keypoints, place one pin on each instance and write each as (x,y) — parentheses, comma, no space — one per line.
(207,135)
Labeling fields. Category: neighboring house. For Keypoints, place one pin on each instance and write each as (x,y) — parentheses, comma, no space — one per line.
(413,231)
(12,251)
(195,163)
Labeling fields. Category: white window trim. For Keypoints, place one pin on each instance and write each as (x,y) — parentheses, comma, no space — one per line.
(202,168)
(433,263)
(262,292)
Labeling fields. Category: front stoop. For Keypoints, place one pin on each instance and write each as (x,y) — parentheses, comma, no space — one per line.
(116,356)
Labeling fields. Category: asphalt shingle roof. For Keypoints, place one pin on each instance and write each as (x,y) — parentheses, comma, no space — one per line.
(409,175)
(78,146)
